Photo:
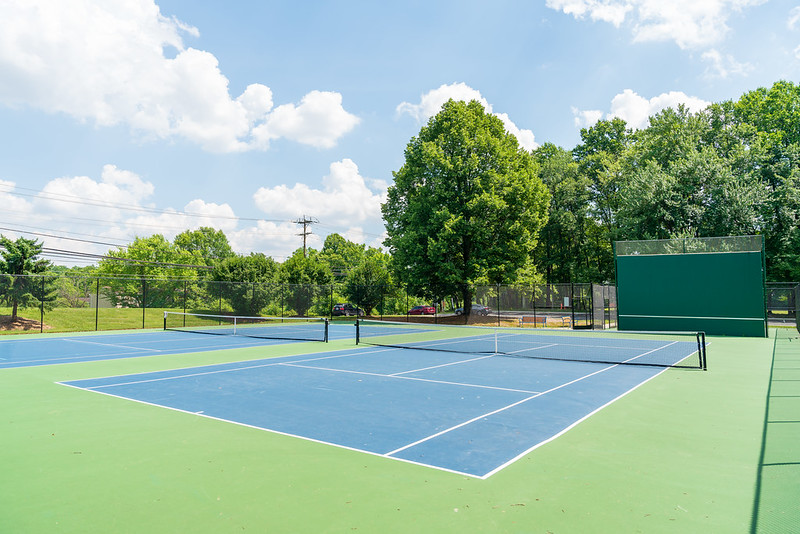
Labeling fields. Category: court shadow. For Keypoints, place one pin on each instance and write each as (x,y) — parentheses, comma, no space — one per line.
(776,507)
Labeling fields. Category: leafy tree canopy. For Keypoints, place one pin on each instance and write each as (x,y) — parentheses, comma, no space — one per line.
(211,245)
(251,280)
(341,255)
(368,282)
(147,258)
(467,205)
(21,257)
(305,275)
(152,256)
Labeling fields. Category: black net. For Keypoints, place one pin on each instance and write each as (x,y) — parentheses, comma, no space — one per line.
(288,328)
(671,349)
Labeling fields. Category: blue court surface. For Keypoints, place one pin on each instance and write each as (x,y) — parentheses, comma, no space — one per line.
(21,351)
(468,414)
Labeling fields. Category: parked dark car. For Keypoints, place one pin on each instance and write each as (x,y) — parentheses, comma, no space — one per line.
(477,309)
(347,309)
(422,310)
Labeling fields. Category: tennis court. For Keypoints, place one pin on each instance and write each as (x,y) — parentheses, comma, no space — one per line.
(461,407)
(232,432)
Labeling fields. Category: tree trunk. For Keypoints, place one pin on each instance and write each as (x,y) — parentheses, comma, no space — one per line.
(14,311)
(466,297)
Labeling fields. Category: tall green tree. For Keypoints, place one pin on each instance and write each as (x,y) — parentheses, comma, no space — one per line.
(210,244)
(600,159)
(369,281)
(249,282)
(466,206)
(341,255)
(564,252)
(18,260)
(771,117)
(148,258)
(307,278)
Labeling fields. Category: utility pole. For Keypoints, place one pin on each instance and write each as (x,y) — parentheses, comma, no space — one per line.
(305,221)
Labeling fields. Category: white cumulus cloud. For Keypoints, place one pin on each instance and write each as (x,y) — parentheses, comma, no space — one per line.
(604,10)
(689,23)
(118,207)
(635,110)
(319,120)
(346,196)
(125,63)
(431,103)
(586,118)
(71,195)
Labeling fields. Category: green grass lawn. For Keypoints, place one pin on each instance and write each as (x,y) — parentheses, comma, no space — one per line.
(84,319)
(680,454)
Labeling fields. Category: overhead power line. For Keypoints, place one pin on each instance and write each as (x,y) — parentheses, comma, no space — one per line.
(87,255)
(62,237)
(72,199)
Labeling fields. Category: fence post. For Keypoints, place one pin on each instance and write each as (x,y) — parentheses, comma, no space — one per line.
(41,307)
(572,303)
(498,304)
(97,306)
(144,299)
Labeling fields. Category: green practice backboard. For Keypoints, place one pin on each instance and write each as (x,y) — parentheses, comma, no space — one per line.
(713,285)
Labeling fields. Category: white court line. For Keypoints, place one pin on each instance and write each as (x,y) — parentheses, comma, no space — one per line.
(290,364)
(111,345)
(654,350)
(591,346)
(493,412)
(465,423)
(534,348)
(65,359)
(269,363)
(279,432)
(568,428)
(441,365)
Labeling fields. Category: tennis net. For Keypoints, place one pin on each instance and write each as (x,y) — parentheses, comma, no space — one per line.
(288,328)
(660,349)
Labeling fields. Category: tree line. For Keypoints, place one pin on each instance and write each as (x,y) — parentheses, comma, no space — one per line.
(195,270)
(731,169)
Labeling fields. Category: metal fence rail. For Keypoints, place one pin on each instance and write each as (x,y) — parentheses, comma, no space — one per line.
(58,303)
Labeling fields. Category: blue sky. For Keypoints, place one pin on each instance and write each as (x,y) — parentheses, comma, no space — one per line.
(128,118)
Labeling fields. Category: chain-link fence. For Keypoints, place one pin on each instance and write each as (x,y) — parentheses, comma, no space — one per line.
(781,304)
(56,303)
(690,245)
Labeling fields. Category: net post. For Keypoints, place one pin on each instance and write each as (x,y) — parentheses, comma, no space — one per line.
(703,342)
(234,326)
(165,320)
(701,349)
(327,323)
(358,331)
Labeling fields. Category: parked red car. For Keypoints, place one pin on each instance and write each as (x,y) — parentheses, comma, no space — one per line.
(422,310)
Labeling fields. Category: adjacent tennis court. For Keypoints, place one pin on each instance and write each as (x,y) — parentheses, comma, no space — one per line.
(174,339)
